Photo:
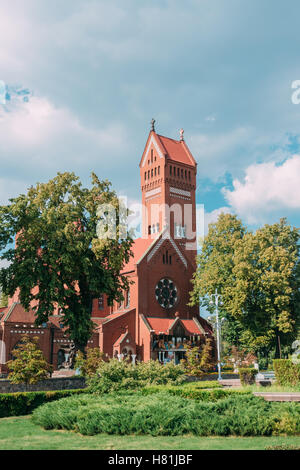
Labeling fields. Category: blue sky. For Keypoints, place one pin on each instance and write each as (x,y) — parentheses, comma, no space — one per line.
(96,72)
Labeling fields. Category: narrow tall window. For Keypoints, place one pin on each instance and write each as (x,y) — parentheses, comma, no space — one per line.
(145,175)
(171,170)
(101,302)
(128,299)
(159,170)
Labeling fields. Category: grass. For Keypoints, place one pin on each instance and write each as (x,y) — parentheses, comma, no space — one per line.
(22,434)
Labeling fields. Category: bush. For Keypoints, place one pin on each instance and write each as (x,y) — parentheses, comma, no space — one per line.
(114,375)
(21,404)
(157,415)
(286,372)
(247,376)
(29,365)
(194,393)
(88,365)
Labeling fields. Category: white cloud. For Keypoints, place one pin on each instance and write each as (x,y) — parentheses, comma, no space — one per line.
(267,189)
(37,139)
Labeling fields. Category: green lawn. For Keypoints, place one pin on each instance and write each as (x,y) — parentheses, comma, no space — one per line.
(21,434)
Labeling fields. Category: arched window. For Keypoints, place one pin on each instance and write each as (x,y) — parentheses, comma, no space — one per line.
(158,170)
(149,230)
(153,228)
(148,174)
(145,175)
(157,228)
(155,171)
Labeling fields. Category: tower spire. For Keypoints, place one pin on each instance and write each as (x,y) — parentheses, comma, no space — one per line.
(153,125)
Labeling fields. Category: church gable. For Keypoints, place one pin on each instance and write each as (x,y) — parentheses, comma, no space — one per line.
(166,248)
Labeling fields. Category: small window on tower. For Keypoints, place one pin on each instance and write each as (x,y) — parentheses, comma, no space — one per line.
(145,175)
(159,170)
(148,174)
(155,171)
(157,228)
(152,173)
(149,230)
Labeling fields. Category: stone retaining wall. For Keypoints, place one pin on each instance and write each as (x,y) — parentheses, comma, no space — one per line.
(61,383)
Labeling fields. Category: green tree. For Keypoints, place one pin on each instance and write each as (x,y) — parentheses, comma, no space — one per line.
(88,365)
(3,299)
(196,361)
(258,276)
(29,365)
(58,261)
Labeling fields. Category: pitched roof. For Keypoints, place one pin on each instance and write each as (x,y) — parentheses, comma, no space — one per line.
(163,325)
(177,150)
(139,248)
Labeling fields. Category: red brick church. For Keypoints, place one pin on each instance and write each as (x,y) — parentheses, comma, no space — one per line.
(154,321)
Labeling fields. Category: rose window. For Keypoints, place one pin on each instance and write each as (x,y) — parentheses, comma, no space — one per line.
(166,293)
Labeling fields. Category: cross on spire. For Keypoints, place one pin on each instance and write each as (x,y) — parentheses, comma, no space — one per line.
(153,125)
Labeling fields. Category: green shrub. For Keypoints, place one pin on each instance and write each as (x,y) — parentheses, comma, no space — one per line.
(194,393)
(21,404)
(114,375)
(88,365)
(286,373)
(247,375)
(158,415)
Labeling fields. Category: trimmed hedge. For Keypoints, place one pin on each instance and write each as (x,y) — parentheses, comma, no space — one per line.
(23,403)
(194,393)
(286,372)
(247,375)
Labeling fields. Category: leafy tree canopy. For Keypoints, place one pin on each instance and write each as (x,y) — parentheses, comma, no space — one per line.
(258,275)
(57,260)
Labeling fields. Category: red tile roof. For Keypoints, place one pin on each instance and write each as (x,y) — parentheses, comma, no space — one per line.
(162,325)
(176,150)
(139,247)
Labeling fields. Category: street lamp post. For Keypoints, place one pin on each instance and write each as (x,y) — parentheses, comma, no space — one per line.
(216,299)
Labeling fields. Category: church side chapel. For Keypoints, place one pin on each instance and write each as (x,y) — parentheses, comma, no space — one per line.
(154,321)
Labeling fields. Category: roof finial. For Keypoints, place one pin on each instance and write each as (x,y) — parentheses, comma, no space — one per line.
(153,125)
(181,135)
